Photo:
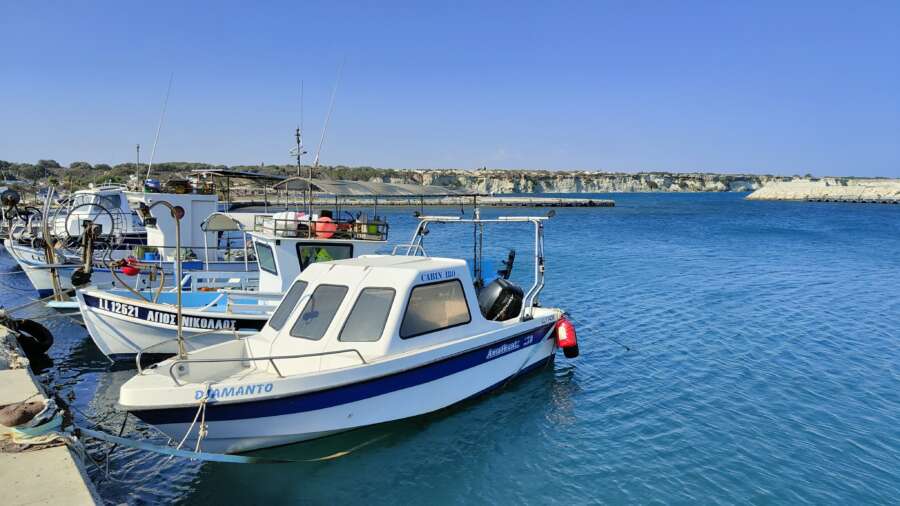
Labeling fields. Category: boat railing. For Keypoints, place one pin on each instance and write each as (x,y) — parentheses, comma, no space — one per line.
(149,349)
(271,360)
(321,228)
(218,280)
(411,249)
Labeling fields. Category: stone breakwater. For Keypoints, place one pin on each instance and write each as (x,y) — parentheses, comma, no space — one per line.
(832,189)
(533,181)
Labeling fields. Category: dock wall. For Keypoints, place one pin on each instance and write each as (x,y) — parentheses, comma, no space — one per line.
(47,475)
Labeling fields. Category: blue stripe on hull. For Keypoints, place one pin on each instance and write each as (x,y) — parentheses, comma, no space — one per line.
(344,394)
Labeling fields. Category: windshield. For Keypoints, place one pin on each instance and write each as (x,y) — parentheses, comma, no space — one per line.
(111,202)
(320,309)
(287,305)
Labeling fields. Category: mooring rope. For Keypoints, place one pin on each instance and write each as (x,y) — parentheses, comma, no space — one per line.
(214,457)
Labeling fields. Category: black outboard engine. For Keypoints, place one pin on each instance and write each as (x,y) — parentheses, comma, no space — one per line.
(501,300)
(9,199)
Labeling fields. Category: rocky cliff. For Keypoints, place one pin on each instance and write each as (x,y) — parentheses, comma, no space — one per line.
(532,181)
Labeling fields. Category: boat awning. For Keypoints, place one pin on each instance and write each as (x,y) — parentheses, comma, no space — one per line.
(220,222)
(369,189)
(237,174)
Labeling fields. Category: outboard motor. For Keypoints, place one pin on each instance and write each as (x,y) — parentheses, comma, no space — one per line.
(10,199)
(500,300)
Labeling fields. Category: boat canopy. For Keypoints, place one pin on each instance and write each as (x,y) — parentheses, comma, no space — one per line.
(221,222)
(237,174)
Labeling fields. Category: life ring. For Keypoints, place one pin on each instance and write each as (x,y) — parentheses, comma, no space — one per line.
(33,337)
(325,227)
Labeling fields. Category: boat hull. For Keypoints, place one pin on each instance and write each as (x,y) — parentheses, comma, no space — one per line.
(239,427)
(122,327)
(33,263)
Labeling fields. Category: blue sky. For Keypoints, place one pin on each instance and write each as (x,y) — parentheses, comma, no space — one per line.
(780,87)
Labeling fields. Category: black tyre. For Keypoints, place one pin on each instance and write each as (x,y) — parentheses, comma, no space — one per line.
(34,337)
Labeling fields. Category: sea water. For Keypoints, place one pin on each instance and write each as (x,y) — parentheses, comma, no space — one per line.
(731,351)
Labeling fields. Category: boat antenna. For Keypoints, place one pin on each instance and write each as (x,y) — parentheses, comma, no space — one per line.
(137,165)
(298,151)
(162,115)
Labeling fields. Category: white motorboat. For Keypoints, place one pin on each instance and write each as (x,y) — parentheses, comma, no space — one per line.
(353,343)
(124,322)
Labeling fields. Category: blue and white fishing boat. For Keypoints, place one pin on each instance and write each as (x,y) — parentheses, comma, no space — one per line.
(353,343)
(107,206)
(123,322)
(200,248)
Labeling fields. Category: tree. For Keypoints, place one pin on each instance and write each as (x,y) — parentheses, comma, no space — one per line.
(102,166)
(48,164)
(31,172)
(80,166)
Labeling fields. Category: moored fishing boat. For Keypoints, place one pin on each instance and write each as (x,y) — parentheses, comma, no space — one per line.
(124,322)
(112,242)
(353,343)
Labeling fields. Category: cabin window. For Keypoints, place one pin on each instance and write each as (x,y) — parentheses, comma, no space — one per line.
(287,305)
(368,316)
(111,202)
(434,307)
(310,253)
(318,312)
(266,258)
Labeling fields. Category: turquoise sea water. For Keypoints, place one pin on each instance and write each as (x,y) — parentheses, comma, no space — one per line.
(763,367)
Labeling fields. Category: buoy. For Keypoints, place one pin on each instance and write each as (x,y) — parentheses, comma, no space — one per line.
(130,270)
(325,227)
(565,337)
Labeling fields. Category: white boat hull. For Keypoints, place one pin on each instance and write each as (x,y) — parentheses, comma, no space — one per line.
(121,327)
(259,430)
(33,263)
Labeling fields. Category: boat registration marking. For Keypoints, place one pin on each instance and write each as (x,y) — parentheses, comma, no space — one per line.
(164,317)
(117,307)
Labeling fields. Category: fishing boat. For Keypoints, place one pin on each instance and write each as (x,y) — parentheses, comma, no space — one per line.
(119,231)
(357,342)
(102,256)
(123,322)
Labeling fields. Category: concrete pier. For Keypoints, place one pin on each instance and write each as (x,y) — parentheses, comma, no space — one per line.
(832,189)
(49,475)
(486,201)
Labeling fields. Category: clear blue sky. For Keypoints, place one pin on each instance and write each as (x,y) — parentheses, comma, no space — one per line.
(780,87)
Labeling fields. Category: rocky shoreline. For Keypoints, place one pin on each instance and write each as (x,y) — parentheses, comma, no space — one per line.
(531,181)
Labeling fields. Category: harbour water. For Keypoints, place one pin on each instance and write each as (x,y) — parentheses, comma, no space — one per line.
(731,351)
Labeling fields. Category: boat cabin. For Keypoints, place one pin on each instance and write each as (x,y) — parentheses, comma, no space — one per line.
(287,243)
(106,206)
(376,306)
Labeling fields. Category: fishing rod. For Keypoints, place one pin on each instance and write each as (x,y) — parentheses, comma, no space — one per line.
(315,164)
(162,115)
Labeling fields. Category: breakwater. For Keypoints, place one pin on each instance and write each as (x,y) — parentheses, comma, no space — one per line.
(256,199)
(832,189)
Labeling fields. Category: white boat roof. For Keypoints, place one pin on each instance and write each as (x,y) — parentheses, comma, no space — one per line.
(416,263)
